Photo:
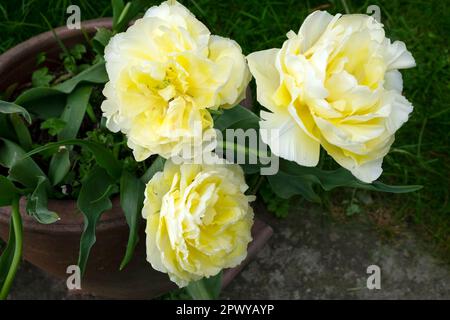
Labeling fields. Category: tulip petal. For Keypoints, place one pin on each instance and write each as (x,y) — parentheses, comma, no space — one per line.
(393,81)
(287,140)
(262,67)
(400,110)
(313,27)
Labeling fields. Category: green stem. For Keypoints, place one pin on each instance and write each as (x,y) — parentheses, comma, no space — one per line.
(198,291)
(17,228)
(254,190)
(238,148)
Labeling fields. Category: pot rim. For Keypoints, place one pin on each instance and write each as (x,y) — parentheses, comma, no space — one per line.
(17,53)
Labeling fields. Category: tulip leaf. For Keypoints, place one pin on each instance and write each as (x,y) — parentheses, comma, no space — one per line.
(237,117)
(95,74)
(157,165)
(131,200)
(6,129)
(103,156)
(93,201)
(48,103)
(45,103)
(37,203)
(8,191)
(293,179)
(59,166)
(22,132)
(74,112)
(206,288)
(21,168)
(12,108)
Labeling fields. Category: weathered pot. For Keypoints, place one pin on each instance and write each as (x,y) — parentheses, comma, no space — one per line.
(55,247)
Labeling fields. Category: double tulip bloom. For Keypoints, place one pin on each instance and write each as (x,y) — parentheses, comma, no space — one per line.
(333,84)
(165,73)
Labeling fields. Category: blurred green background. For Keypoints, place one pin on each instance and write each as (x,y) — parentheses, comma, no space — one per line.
(421,153)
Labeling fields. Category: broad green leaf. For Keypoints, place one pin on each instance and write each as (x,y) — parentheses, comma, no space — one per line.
(93,201)
(10,153)
(237,117)
(8,192)
(95,74)
(240,151)
(11,108)
(37,203)
(74,112)
(6,129)
(21,168)
(157,165)
(59,166)
(103,156)
(286,186)
(131,200)
(206,288)
(22,132)
(45,103)
(293,179)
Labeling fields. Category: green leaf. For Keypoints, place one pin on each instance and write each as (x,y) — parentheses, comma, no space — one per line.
(53,125)
(95,74)
(21,168)
(12,108)
(6,129)
(45,103)
(22,132)
(59,166)
(37,203)
(130,11)
(77,51)
(293,179)
(41,78)
(237,117)
(8,192)
(74,112)
(157,165)
(117,6)
(206,288)
(103,156)
(101,39)
(93,201)
(131,200)
(41,57)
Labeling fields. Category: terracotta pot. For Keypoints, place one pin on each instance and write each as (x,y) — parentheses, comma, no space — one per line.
(54,247)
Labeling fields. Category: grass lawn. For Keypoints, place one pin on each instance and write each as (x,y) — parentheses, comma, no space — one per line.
(421,153)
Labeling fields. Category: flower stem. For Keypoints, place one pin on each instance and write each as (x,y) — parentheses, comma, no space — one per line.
(17,229)
(255,188)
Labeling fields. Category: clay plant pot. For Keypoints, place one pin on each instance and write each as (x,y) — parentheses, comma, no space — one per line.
(54,247)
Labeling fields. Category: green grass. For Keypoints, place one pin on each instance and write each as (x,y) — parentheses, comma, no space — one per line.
(421,153)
